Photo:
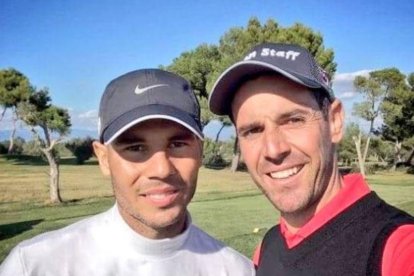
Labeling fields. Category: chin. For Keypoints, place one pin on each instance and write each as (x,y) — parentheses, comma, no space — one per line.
(170,217)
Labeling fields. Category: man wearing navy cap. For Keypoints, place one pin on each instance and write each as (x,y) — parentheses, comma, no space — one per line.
(289,123)
(150,145)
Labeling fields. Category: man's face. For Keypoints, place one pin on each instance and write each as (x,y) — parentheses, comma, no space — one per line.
(153,167)
(288,143)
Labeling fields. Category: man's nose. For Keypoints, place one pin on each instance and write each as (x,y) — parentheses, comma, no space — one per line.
(276,147)
(160,166)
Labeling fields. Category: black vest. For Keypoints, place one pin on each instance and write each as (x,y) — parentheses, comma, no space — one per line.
(350,244)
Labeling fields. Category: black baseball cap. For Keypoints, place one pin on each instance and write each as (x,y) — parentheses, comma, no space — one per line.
(143,95)
(292,61)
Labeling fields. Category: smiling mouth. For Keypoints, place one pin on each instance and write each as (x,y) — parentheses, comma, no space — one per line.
(285,173)
(160,196)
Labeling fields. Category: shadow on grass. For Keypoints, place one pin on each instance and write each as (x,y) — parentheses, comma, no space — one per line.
(25,160)
(40,161)
(13,229)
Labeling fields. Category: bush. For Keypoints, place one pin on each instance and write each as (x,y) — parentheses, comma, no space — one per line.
(370,168)
(81,148)
(32,148)
(18,144)
(3,147)
(214,160)
(410,170)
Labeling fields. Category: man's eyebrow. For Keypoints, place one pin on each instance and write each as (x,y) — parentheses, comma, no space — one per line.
(128,139)
(248,126)
(282,116)
(295,112)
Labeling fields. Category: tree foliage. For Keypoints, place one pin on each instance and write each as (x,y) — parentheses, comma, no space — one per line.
(81,148)
(387,95)
(235,43)
(196,66)
(14,88)
(204,64)
(398,114)
(346,148)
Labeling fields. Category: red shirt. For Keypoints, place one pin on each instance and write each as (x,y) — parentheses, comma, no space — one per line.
(398,256)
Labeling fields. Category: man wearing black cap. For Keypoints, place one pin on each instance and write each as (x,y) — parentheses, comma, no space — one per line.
(289,123)
(151,147)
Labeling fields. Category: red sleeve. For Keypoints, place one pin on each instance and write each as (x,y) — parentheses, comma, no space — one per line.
(399,252)
(256,255)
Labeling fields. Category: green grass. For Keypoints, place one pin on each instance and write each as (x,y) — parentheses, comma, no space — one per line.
(227,205)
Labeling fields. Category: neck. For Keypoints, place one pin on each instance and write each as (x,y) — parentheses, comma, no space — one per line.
(155,232)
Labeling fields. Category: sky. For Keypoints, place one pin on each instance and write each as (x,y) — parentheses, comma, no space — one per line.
(74,48)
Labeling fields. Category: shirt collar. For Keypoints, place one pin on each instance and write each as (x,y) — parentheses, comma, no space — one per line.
(150,247)
(353,189)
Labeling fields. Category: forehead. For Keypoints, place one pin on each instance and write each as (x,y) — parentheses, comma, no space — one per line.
(153,129)
(276,91)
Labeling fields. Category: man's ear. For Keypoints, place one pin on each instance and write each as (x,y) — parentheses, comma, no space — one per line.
(101,152)
(336,121)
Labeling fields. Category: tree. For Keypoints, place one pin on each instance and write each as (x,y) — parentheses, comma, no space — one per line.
(14,88)
(410,141)
(398,113)
(81,148)
(374,89)
(41,116)
(237,41)
(346,148)
(203,65)
(196,66)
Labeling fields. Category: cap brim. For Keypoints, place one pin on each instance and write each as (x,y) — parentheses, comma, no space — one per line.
(225,86)
(141,114)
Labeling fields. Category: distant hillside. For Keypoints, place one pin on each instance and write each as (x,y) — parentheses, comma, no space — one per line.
(27,135)
(210,131)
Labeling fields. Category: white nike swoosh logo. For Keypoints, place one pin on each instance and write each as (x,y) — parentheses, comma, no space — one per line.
(145,89)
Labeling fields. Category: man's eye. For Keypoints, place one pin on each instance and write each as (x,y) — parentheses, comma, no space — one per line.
(296,120)
(135,148)
(177,144)
(251,132)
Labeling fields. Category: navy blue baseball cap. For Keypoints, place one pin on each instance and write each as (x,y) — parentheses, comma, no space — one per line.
(292,61)
(144,95)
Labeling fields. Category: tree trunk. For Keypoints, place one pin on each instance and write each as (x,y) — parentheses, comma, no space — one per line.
(236,156)
(54,191)
(364,157)
(397,155)
(2,114)
(410,158)
(12,134)
(361,163)
(218,133)
(235,162)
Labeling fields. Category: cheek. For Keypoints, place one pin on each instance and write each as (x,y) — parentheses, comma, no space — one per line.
(124,174)
(188,168)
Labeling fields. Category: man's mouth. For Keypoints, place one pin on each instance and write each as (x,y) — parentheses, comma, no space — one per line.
(161,197)
(285,173)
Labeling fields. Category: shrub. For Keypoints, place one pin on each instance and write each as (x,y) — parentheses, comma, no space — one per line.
(32,148)
(214,160)
(3,147)
(81,148)
(410,170)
